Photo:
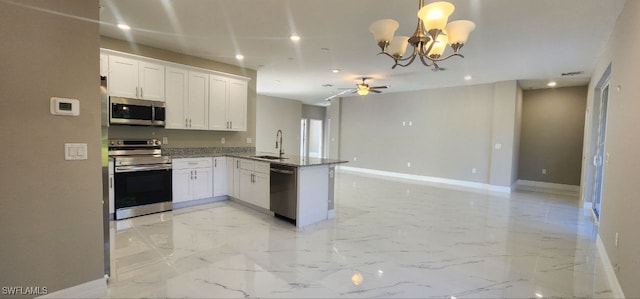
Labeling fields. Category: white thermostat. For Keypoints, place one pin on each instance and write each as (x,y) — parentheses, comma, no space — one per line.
(62,106)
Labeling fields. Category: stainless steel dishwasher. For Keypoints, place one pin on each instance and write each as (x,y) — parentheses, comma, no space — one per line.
(284,191)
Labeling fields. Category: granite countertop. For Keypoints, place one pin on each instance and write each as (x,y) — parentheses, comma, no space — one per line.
(289,160)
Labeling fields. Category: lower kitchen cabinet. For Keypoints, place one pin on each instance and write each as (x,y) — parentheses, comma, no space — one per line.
(233,177)
(192,179)
(254,183)
(220,176)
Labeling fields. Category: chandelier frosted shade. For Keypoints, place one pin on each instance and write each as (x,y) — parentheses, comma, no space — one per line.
(458,31)
(398,46)
(435,15)
(383,30)
(439,46)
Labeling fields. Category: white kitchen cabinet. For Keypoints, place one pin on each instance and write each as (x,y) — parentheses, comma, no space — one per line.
(177,98)
(187,99)
(227,103)
(254,183)
(219,176)
(104,65)
(132,78)
(192,179)
(233,177)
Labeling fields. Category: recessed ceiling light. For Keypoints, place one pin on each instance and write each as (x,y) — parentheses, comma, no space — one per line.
(239,57)
(295,38)
(552,84)
(124,26)
(335,70)
(467,77)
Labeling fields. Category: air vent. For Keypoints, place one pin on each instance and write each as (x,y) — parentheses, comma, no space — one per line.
(327,85)
(573,73)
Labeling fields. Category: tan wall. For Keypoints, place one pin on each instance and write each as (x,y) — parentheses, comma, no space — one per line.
(278,114)
(552,135)
(620,193)
(188,138)
(503,133)
(50,209)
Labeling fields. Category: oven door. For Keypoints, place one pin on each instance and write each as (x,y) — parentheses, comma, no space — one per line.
(142,190)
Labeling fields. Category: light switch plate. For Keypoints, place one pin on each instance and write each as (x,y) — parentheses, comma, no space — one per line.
(249,140)
(498,146)
(75,151)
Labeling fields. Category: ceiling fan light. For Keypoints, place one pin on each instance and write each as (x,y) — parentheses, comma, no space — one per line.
(398,46)
(363,91)
(435,15)
(383,30)
(458,31)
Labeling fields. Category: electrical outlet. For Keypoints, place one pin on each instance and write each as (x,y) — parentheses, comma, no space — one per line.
(249,140)
(222,140)
(355,158)
(410,123)
(408,164)
(617,239)
(404,123)
(498,146)
(544,171)
(473,170)
(165,140)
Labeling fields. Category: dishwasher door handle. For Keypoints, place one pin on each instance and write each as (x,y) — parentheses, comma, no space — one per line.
(282,171)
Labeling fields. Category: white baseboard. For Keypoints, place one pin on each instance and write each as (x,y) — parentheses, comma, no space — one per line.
(547,187)
(423,178)
(92,289)
(616,289)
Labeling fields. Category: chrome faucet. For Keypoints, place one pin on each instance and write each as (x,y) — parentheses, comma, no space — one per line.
(279,134)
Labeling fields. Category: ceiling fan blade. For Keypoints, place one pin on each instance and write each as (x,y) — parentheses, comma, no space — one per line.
(379,87)
(376,91)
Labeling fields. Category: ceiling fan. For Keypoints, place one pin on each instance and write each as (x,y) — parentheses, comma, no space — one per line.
(363,88)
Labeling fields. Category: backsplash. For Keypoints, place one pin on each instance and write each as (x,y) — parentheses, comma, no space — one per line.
(206,151)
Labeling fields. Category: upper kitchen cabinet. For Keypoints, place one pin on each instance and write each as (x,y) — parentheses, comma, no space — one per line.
(187,99)
(104,65)
(132,78)
(227,103)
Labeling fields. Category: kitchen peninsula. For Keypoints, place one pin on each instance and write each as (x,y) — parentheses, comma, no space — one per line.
(300,189)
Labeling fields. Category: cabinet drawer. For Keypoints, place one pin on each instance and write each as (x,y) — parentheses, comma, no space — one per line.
(247,164)
(262,167)
(187,163)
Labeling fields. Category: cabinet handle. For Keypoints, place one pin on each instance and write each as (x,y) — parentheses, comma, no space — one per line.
(141,93)
(215,162)
(196,172)
(110,182)
(186,122)
(237,163)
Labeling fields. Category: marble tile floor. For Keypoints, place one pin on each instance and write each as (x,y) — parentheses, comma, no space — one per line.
(390,239)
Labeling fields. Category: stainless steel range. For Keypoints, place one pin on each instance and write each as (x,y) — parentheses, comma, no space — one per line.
(142,180)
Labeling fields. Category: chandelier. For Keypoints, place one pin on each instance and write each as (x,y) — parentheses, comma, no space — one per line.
(430,39)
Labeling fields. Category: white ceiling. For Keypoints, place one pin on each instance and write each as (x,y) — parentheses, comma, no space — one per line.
(529,40)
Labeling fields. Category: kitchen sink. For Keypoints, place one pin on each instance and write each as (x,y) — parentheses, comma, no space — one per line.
(268,157)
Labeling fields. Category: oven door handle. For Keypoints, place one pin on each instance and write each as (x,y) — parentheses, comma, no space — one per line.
(121,169)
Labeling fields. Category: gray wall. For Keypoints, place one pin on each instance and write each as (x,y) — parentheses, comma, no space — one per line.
(188,138)
(277,113)
(552,135)
(450,132)
(333,129)
(314,112)
(620,192)
(51,209)
(515,162)
(503,133)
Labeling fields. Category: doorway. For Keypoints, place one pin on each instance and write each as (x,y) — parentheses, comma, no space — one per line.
(599,157)
(311,138)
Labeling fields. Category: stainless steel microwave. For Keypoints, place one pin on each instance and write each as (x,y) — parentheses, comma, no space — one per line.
(124,111)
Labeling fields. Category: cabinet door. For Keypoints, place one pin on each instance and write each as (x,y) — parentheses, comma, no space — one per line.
(104,65)
(231,177)
(237,105)
(181,184)
(261,190)
(198,101)
(202,183)
(123,77)
(246,186)
(176,87)
(218,87)
(219,176)
(151,81)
